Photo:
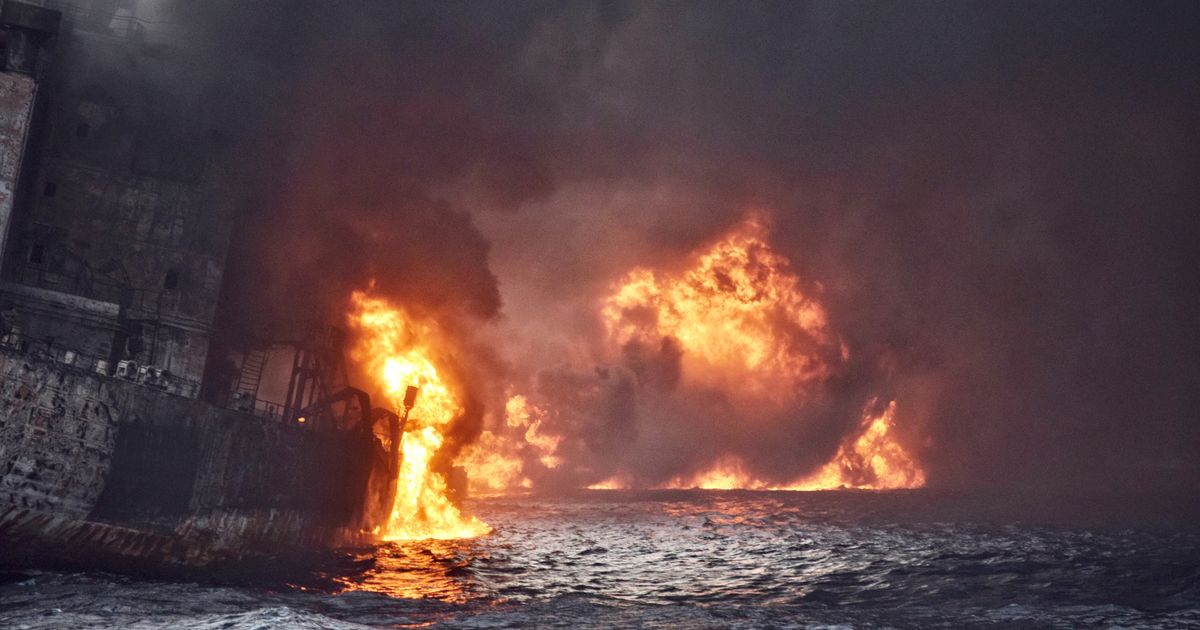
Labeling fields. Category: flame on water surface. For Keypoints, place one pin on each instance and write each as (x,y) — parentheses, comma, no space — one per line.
(495,462)
(399,351)
(872,460)
(616,482)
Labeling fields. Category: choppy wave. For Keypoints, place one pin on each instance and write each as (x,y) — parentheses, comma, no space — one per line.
(683,559)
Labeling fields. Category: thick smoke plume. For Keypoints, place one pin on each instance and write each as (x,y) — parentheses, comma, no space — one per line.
(999,203)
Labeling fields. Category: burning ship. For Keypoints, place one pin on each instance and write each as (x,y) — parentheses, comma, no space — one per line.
(131,430)
(122,438)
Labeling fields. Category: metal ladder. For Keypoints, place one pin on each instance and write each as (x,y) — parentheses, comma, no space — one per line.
(250,377)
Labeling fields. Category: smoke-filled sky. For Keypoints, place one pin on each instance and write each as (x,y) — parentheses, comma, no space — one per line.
(995,205)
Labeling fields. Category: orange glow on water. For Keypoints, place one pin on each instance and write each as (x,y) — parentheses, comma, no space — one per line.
(428,569)
(399,351)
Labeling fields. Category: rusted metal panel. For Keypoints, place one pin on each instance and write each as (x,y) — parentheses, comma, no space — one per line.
(16,107)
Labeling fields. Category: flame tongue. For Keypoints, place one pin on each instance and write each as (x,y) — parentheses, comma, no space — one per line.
(872,460)
(398,351)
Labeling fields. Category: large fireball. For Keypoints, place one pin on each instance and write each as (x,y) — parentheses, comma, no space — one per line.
(747,325)
(738,313)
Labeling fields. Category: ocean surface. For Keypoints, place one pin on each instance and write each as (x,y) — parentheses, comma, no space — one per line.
(688,559)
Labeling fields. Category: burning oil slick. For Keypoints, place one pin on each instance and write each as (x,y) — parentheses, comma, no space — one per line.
(732,327)
(871,459)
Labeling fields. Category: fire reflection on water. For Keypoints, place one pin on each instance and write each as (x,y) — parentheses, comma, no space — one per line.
(429,569)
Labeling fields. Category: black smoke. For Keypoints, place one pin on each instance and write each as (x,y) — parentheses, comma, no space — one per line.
(1000,201)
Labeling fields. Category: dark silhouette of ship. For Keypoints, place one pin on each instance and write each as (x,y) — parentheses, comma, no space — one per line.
(123,440)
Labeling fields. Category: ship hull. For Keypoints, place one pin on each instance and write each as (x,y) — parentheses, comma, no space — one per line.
(99,470)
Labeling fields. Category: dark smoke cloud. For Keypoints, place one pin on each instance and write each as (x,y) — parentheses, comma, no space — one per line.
(1000,201)
(345,122)
(353,117)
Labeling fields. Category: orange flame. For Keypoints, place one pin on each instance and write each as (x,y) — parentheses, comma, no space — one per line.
(738,313)
(495,462)
(872,460)
(616,482)
(744,326)
(400,351)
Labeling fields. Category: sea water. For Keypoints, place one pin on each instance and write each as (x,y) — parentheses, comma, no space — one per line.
(685,559)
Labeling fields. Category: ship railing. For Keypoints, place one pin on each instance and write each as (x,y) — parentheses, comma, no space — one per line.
(265,409)
(273,411)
